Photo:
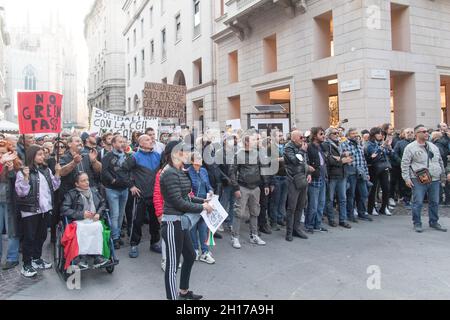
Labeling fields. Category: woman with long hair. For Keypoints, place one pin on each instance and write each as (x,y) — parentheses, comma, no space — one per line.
(35,186)
(378,152)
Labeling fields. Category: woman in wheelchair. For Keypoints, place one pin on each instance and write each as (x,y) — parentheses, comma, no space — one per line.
(85,206)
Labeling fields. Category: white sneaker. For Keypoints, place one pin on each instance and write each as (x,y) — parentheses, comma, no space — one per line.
(257,240)
(387,212)
(375,212)
(40,264)
(392,202)
(197,255)
(163,265)
(235,243)
(28,272)
(207,258)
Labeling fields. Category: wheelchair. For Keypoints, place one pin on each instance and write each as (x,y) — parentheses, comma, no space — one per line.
(58,250)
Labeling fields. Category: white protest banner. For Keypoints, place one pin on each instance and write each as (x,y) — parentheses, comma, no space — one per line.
(217,217)
(102,121)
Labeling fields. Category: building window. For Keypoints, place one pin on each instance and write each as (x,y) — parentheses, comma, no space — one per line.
(129,105)
(177,28)
(152,51)
(196,18)
(400,27)
(134,37)
(222,7)
(198,78)
(163,43)
(135,66)
(128,45)
(164,80)
(143,63)
(129,74)
(324,36)
(142,28)
(233,67)
(163,9)
(151,17)
(270,54)
(30,78)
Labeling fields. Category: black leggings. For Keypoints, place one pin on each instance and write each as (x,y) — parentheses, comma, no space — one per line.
(381,179)
(177,242)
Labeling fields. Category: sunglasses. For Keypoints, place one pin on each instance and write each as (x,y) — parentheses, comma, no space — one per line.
(334,133)
(62,147)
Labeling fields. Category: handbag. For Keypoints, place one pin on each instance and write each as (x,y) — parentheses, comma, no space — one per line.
(381,166)
(424,175)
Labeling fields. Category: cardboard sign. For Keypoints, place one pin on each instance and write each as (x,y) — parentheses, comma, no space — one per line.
(39,112)
(164,101)
(102,121)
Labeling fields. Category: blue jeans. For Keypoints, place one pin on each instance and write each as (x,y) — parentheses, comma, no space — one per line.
(13,243)
(227,202)
(359,186)
(316,206)
(337,187)
(278,200)
(202,230)
(117,200)
(419,193)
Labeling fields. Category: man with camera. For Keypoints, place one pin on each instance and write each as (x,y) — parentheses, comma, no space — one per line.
(423,172)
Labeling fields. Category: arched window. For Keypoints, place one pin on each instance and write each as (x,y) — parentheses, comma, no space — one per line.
(30,78)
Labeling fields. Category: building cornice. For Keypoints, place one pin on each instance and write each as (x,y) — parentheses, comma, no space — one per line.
(90,15)
(202,86)
(135,17)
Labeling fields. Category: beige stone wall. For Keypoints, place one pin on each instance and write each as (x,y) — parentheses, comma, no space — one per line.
(361,47)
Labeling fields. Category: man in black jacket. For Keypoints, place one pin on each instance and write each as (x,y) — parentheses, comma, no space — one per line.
(396,160)
(246,177)
(317,188)
(298,177)
(116,179)
(337,184)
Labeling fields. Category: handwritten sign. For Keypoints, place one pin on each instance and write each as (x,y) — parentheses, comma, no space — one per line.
(102,121)
(39,112)
(164,101)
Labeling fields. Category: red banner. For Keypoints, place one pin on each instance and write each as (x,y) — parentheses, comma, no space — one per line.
(39,112)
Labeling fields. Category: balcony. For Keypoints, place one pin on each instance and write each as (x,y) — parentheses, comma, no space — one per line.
(238,11)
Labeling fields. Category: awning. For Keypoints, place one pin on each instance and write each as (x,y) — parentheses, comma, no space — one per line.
(6,126)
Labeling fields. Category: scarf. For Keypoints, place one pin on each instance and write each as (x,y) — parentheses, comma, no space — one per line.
(88,200)
(121,156)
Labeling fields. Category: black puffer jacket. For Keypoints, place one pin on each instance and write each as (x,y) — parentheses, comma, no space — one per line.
(175,188)
(294,165)
(335,167)
(72,206)
(247,171)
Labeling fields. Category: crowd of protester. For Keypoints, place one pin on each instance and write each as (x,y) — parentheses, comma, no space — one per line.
(300,183)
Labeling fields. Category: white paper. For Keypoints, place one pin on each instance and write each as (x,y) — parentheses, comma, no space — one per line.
(217,217)
(300,157)
(90,237)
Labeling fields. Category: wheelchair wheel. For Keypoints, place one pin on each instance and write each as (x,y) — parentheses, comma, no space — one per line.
(110,270)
